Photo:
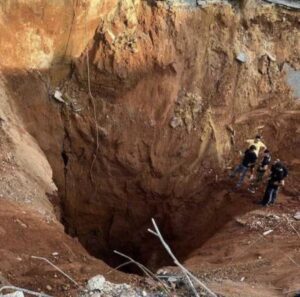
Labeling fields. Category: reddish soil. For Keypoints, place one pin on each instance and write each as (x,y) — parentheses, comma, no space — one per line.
(25,233)
(168,112)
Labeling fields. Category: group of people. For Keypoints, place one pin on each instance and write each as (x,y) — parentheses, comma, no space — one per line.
(278,172)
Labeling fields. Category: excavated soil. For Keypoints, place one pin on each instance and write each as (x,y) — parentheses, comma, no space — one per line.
(26,233)
(155,110)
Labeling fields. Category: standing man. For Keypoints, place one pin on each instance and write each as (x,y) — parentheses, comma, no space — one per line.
(249,160)
(261,170)
(278,173)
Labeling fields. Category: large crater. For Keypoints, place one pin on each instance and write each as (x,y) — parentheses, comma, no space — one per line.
(168,107)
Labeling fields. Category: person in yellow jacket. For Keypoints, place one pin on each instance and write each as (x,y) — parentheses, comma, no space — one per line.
(259,145)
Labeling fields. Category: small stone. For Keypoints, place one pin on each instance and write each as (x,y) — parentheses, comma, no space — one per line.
(21,223)
(271,57)
(176,122)
(58,96)
(103,132)
(55,254)
(242,279)
(241,57)
(66,287)
(297,216)
(49,288)
(267,232)
(172,279)
(277,218)
(109,36)
(161,272)
(241,221)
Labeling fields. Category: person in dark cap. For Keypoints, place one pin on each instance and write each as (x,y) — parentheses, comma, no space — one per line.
(249,160)
(278,173)
(261,170)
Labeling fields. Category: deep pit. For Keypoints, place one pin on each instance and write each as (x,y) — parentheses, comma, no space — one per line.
(154,137)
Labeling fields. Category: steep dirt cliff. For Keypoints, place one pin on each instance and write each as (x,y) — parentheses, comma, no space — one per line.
(157,106)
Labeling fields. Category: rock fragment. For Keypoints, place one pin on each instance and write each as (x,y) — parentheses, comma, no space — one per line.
(58,96)
(176,122)
(297,216)
(242,57)
(96,283)
(99,287)
(267,232)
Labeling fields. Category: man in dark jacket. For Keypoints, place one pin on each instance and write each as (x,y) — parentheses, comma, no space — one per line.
(249,160)
(261,170)
(278,173)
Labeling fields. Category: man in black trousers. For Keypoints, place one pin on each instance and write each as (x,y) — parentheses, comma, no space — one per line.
(278,173)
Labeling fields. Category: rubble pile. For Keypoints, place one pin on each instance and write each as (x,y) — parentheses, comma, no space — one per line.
(98,286)
(264,222)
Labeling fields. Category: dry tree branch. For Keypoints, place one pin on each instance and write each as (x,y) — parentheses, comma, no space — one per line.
(175,260)
(141,266)
(293,228)
(186,272)
(191,285)
(23,290)
(144,269)
(118,267)
(57,268)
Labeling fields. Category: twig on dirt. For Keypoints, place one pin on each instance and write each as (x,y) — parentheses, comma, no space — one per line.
(186,272)
(141,266)
(144,269)
(260,237)
(118,267)
(57,268)
(291,259)
(287,256)
(24,290)
(294,229)
(191,285)
(174,258)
